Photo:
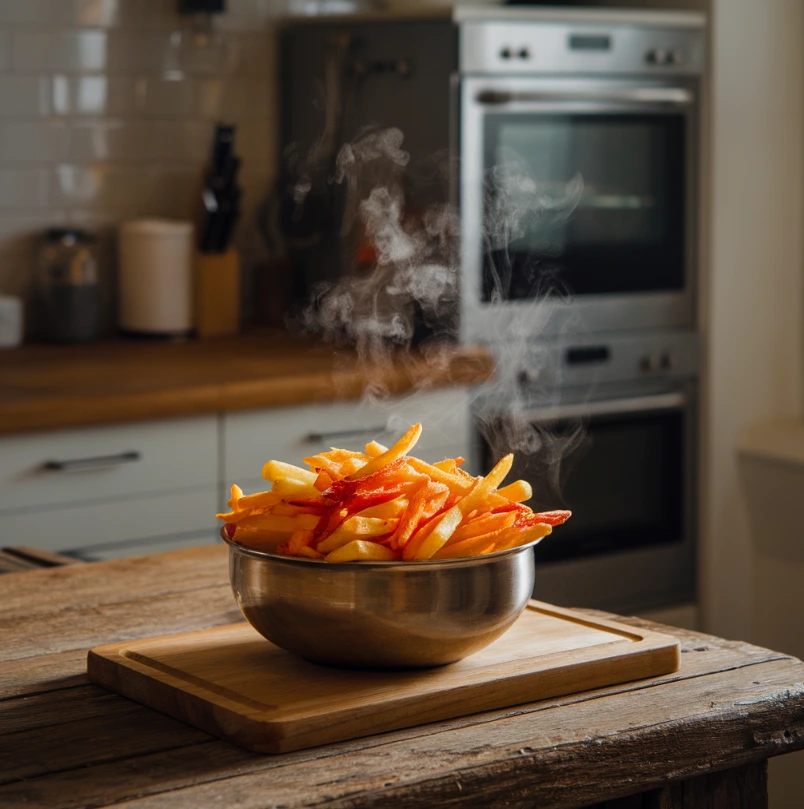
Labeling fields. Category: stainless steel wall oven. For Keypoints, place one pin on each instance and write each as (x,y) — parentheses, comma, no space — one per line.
(603,119)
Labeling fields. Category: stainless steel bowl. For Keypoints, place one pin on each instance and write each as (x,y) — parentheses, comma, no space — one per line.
(381,614)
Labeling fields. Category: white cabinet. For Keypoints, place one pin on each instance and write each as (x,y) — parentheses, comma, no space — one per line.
(71,490)
(69,467)
(291,433)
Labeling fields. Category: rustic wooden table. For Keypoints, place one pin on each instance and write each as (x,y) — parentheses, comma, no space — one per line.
(696,738)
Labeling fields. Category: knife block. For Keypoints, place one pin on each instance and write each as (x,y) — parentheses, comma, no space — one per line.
(217,293)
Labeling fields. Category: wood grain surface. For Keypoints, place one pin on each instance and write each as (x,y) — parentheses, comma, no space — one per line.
(235,684)
(67,743)
(46,387)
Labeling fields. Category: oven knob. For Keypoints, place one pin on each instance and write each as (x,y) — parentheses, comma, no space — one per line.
(505,53)
(657,57)
(651,363)
(669,362)
(524,53)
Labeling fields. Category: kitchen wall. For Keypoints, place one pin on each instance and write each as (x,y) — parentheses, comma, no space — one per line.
(755,312)
(107,109)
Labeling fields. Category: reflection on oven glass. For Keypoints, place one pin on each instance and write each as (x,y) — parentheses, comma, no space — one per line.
(626,232)
(623,482)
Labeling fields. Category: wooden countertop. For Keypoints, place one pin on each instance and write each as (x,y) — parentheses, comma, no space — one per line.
(47,387)
(698,737)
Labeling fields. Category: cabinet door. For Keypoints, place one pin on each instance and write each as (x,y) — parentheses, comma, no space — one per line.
(289,434)
(71,467)
(161,519)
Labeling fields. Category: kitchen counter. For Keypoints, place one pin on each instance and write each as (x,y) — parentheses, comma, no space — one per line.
(49,387)
(698,737)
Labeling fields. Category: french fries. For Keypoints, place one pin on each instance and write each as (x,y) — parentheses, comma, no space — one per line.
(385,505)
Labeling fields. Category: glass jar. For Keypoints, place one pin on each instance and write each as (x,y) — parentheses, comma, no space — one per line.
(66,300)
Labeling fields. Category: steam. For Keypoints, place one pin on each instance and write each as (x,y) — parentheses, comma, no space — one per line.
(414,271)
(411,275)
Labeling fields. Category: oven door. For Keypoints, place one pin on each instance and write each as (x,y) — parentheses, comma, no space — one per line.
(584,188)
(629,484)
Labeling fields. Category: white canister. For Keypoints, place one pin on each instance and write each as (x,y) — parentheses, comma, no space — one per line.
(155,271)
(11,320)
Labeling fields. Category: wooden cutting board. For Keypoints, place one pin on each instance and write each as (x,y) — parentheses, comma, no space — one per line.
(233,683)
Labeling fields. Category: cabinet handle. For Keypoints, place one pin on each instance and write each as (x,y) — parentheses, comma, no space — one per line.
(98,462)
(337,435)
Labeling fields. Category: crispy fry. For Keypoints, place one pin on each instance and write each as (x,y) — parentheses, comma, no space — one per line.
(310,553)
(290,488)
(351,465)
(375,448)
(393,508)
(258,500)
(517,492)
(522,537)
(356,528)
(449,464)
(237,493)
(444,526)
(277,470)
(402,447)
(235,516)
(322,463)
(323,481)
(361,551)
(428,493)
(300,539)
(275,523)
(286,508)
(458,481)
(553,517)
(474,546)
(483,524)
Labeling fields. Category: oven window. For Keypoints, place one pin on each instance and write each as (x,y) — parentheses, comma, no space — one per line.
(624,485)
(626,232)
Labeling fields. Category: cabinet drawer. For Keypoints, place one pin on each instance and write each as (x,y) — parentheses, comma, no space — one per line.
(103,525)
(289,434)
(89,465)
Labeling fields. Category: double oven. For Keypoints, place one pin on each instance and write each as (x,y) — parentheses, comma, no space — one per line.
(571,139)
(577,189)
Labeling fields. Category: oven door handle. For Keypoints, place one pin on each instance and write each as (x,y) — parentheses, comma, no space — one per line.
(609,407)
(675,96)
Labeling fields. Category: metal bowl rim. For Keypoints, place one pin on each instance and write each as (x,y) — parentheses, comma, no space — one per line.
(464,561)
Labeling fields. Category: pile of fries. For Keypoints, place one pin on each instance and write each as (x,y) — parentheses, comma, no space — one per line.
(385,505)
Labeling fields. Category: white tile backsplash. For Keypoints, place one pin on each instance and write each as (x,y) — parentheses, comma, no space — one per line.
(102,13)
(63,51)
(24,96)
(185,140)
(33,142)
(23,188)
(107,112)
(111,140)
(95,95)
(5,50)
(31,12)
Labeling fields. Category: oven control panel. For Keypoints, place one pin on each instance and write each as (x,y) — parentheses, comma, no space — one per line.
(614,358)
(584,47)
